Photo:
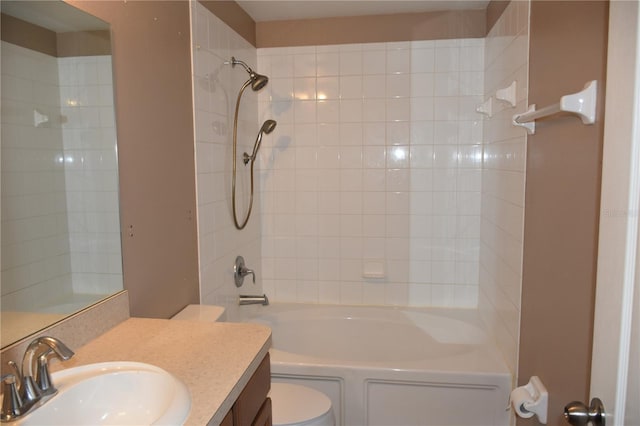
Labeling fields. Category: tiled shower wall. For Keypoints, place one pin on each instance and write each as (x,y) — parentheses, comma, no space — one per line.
(35,241)
(503,181)
(216,87)
(61,232)
(375,168)
(91,173)
(371,182)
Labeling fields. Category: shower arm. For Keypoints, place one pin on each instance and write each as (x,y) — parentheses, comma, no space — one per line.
(235,153)
(235,62)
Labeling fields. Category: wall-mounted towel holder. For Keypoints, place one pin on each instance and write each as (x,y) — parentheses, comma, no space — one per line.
(582,104)
(486,107)
(508,94)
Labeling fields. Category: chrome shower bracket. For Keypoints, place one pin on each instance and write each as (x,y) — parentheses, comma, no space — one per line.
(246,158)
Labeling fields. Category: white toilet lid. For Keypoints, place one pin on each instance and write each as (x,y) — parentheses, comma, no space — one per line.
(298,405)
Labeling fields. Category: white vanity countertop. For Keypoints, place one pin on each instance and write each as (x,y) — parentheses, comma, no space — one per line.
(214,360)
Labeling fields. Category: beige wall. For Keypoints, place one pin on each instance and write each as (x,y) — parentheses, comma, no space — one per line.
(371,29)
(562,203)
(234,16)
(154,113)
(495,9)
(358,29)
(84,43)
(30,36)
(34,37)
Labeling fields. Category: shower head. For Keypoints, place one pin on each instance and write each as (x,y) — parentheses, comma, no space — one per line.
(267,127)
(258,81)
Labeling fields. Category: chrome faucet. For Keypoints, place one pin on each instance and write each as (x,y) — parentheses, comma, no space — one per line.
(253,300)
(24,390)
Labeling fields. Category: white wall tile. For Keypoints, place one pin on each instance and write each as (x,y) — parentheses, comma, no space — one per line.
(304,111)
(422,84)
(327,63)
(304,88)
(328,112)
(282,66)
(351,110)
(374,62)
(350,87)
(351,62)
(328,87)
(399,85)
(374,110)
(446,59)
(304,65)
(374,86)
(398,59)
(380,162)
(502,200)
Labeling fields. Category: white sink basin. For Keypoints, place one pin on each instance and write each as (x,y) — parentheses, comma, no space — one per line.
(114,393)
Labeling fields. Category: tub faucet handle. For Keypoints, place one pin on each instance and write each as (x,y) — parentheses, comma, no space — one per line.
(240,271)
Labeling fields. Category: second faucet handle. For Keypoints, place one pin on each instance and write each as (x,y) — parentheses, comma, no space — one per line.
(11,400)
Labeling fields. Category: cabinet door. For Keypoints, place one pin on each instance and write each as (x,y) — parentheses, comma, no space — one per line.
(253,396)
(264,415)
(228,419)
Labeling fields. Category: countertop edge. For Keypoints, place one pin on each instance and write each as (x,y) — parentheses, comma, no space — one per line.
(226,406)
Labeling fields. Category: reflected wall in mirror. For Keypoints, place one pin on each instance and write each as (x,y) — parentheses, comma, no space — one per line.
(61,249)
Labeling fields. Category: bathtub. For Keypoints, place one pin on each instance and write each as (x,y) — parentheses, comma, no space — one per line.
(389,366)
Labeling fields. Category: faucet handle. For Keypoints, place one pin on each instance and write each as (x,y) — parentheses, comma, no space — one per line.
(28,391)
(248,271)
(240,271)
(11,401)
(16,373)
(43,378)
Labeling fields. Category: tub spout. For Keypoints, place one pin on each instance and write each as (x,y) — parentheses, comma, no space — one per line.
(253,300)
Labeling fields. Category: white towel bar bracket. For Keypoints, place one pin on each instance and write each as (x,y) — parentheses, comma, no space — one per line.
(582,104)
(486,108)
(508,94)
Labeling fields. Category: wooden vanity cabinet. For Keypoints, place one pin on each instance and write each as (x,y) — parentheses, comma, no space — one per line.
(253,407)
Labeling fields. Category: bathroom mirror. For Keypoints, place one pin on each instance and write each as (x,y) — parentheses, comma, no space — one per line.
(60,233)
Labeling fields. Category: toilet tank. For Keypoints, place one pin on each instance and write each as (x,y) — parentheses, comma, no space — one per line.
(202,313)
